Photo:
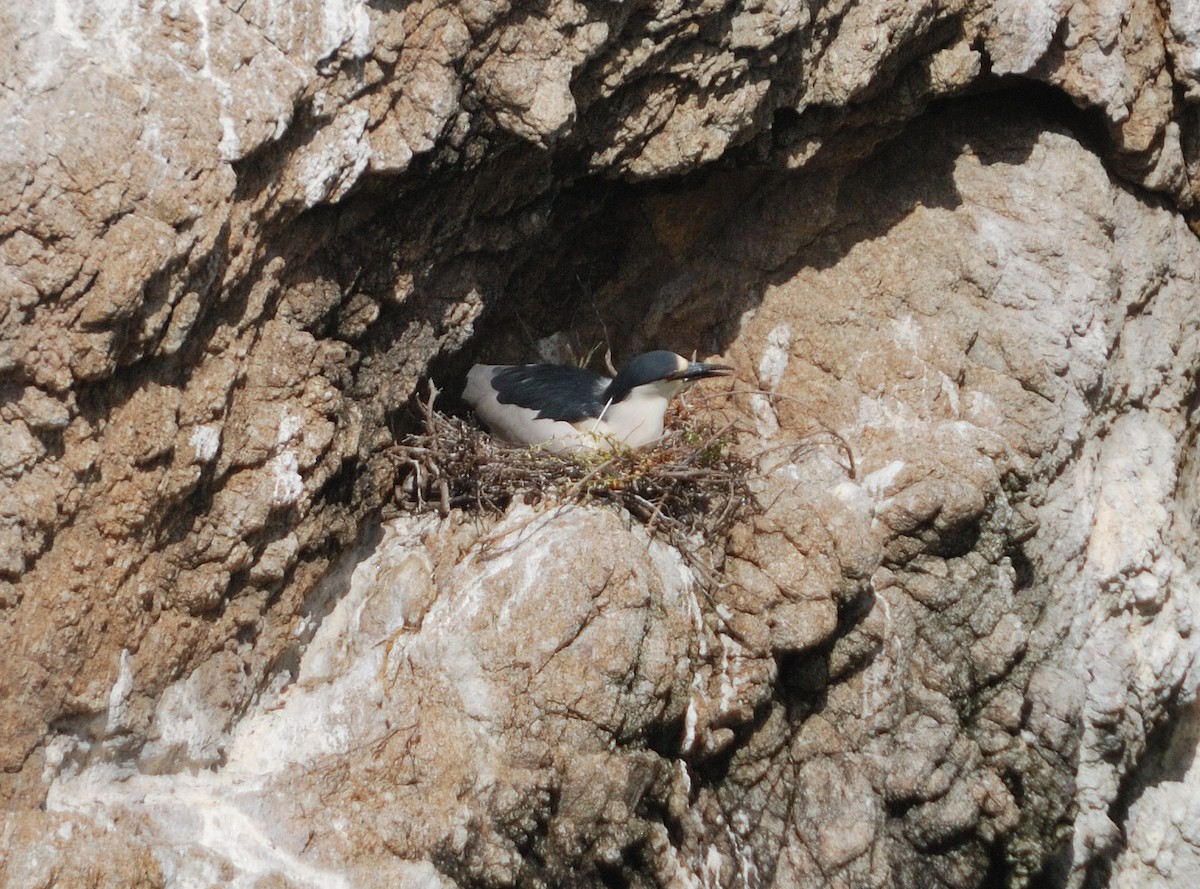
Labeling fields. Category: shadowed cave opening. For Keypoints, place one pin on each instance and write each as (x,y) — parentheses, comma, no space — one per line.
(572,266)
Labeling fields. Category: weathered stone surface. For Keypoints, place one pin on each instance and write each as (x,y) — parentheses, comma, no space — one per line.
(234,238)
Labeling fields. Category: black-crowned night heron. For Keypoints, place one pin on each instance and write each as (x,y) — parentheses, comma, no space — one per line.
(567,408)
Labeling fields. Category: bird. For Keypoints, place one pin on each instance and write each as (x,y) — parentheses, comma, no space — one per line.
(565,408)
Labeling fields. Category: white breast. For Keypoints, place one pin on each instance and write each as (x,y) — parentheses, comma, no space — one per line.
(636,420)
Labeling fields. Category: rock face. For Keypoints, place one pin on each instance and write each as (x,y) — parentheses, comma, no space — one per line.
(233,241)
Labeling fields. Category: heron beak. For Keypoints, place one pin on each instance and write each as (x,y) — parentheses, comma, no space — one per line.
(698,370)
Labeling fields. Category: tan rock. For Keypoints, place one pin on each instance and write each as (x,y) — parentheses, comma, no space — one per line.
(234,239)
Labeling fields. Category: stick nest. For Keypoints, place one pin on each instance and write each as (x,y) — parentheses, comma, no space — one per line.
(689,484)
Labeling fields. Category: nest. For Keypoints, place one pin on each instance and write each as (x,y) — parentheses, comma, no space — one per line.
(690,487)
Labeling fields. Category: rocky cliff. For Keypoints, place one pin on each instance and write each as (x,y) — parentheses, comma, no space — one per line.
(236,237)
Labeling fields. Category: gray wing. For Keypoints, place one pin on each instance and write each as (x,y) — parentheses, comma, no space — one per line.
(555,391)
